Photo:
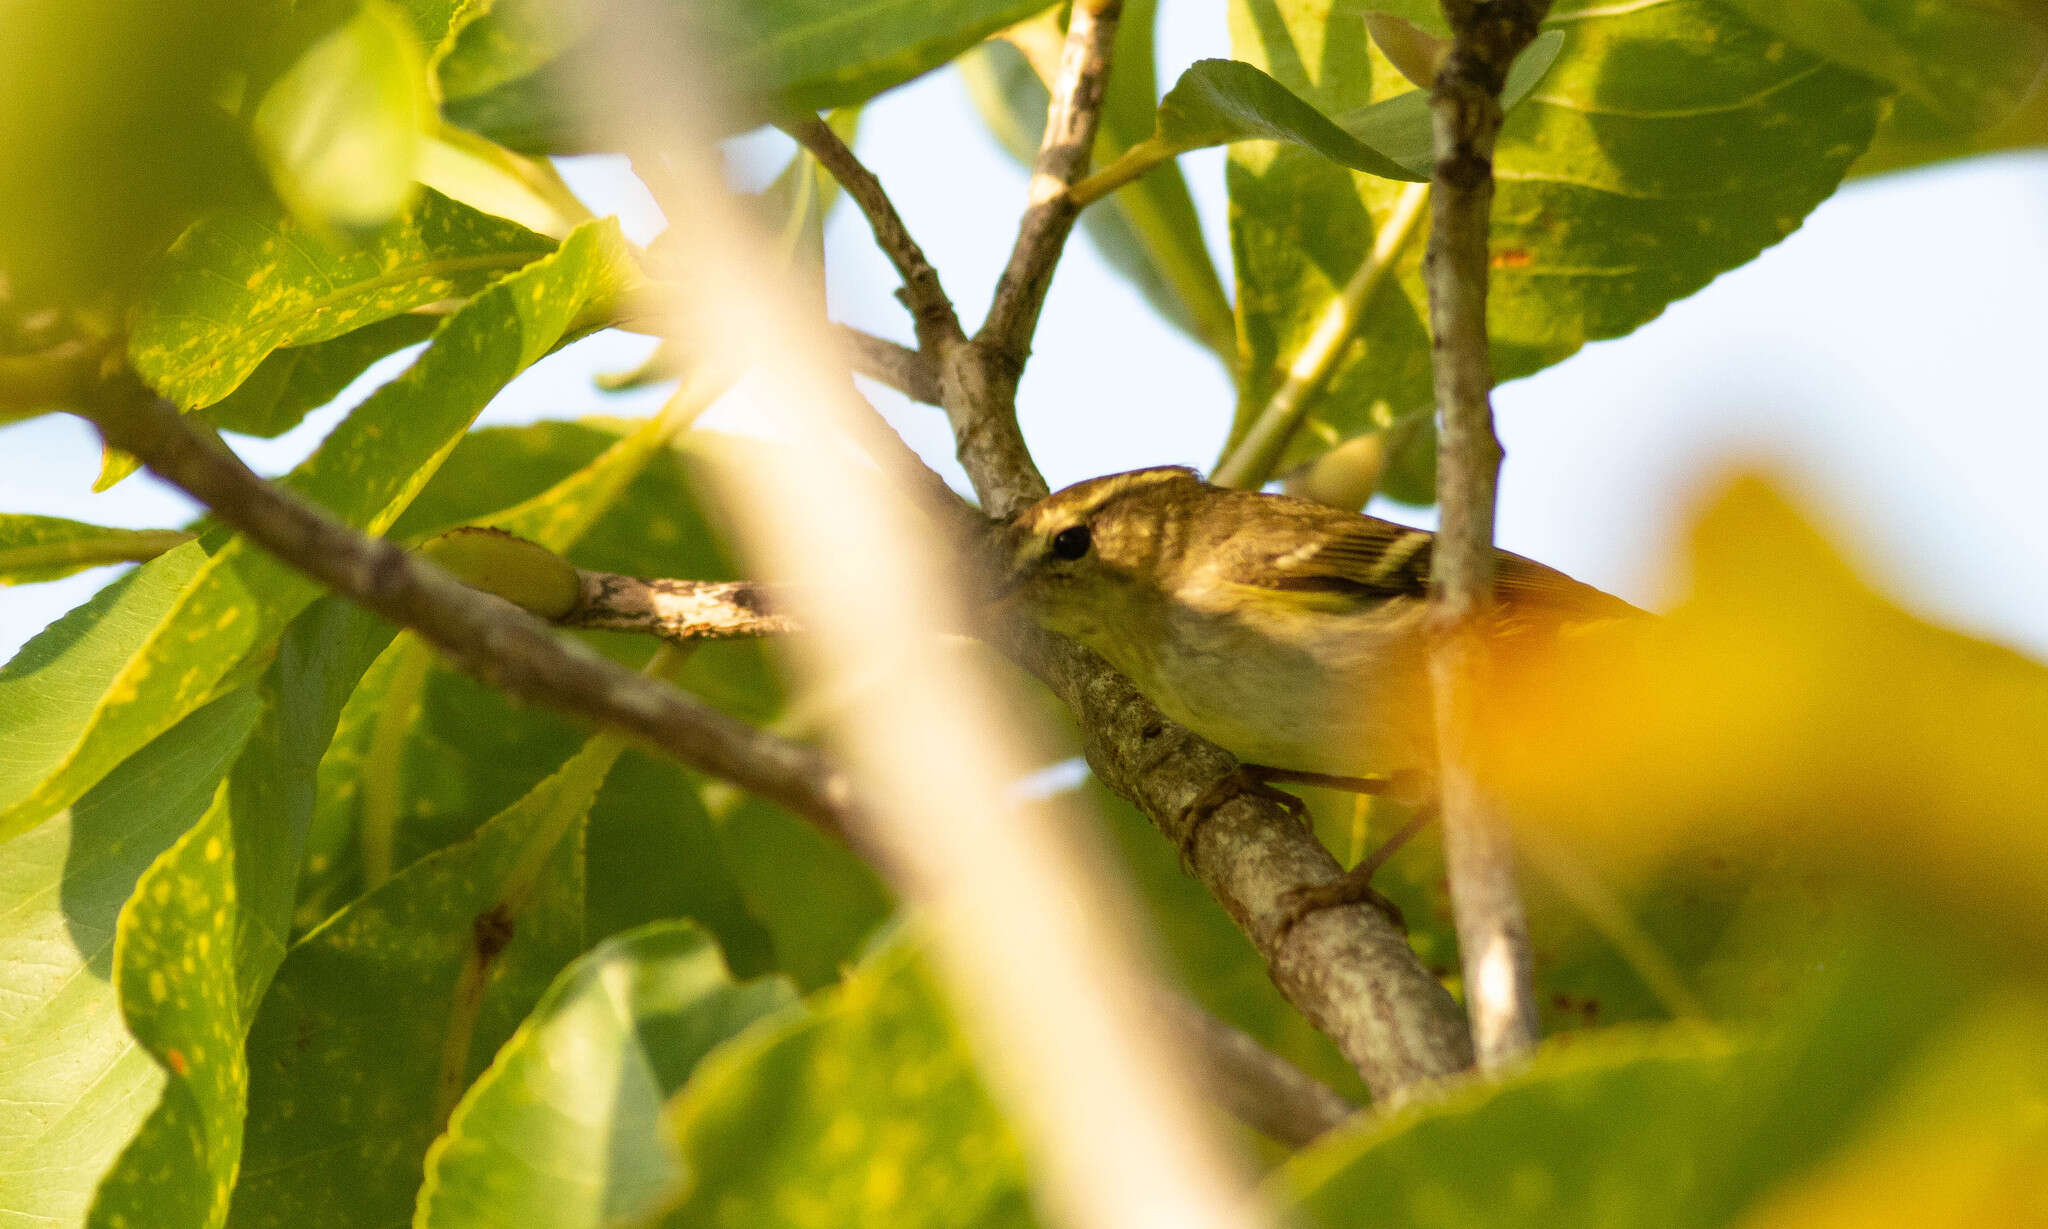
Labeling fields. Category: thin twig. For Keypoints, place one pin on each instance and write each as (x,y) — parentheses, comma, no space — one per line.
(1063,154)
(1493,938)
(906,370)
(938,328)
(482,635)
(1250,464)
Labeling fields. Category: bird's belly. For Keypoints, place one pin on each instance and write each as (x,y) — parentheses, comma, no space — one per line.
(1271,704)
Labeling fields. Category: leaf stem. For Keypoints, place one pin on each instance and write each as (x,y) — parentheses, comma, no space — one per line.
(1128,166)
(1250,463)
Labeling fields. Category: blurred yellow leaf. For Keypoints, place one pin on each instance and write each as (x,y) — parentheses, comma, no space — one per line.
(1787,701)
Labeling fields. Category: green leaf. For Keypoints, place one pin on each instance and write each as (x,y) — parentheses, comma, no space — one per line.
(564,1128)
(380,1018)
(1905,139)
(293,382)
(38,548)
(340,128)
(632,491)
(1958,66)
(206,927)
(1400,127)
(866,1111)
(94,702)
(75,1086)
(246,283)
(652,853)
(1667,144)
(818,902)
(1149,231)
(1217,102)
(515,74)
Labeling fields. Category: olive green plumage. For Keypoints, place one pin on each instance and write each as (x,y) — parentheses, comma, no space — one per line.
(1289,632)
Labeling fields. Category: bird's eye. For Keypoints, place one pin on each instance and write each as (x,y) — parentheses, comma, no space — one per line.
(1070,543)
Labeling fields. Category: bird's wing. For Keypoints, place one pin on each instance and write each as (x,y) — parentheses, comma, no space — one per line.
(1368,558)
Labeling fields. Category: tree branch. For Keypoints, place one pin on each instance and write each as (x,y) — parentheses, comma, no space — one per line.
(1493,939)
(908,371)
(1347,969)
(1350,972)
(938,328)
(484,636)
(1063,154)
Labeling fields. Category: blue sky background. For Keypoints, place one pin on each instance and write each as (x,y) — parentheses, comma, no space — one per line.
(1887,360)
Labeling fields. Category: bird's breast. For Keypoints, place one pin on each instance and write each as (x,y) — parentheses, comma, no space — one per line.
(1341,695)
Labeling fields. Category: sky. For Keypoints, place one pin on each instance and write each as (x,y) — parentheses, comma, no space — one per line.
(1886,362)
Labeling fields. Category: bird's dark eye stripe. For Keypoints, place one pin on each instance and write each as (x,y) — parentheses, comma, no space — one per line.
(1070,543)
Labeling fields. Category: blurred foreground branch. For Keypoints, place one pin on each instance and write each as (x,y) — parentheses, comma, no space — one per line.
(1493,937)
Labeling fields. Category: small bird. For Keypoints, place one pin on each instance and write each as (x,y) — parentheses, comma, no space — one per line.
(1288,632)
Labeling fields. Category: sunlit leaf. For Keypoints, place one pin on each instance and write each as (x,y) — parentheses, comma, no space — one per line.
(1219,102)
(242,285)
(95,698)
(75,1086)
(866,1111)
(1663,147)
(38,548)
(293,382)
(518,75)
(564,1128)
(1961,65)
(206,927)
(383,1015)
(340,128)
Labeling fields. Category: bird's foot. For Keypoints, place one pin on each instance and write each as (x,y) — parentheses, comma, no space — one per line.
(1353,887)
(1349,888)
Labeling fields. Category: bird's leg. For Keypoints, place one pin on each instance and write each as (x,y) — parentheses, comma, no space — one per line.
(1244,779)
(1354,887)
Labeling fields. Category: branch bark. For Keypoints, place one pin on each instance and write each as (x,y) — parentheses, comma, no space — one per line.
(908,371)
(1070,124)
(938,328)
(681,611)
(1493,939)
